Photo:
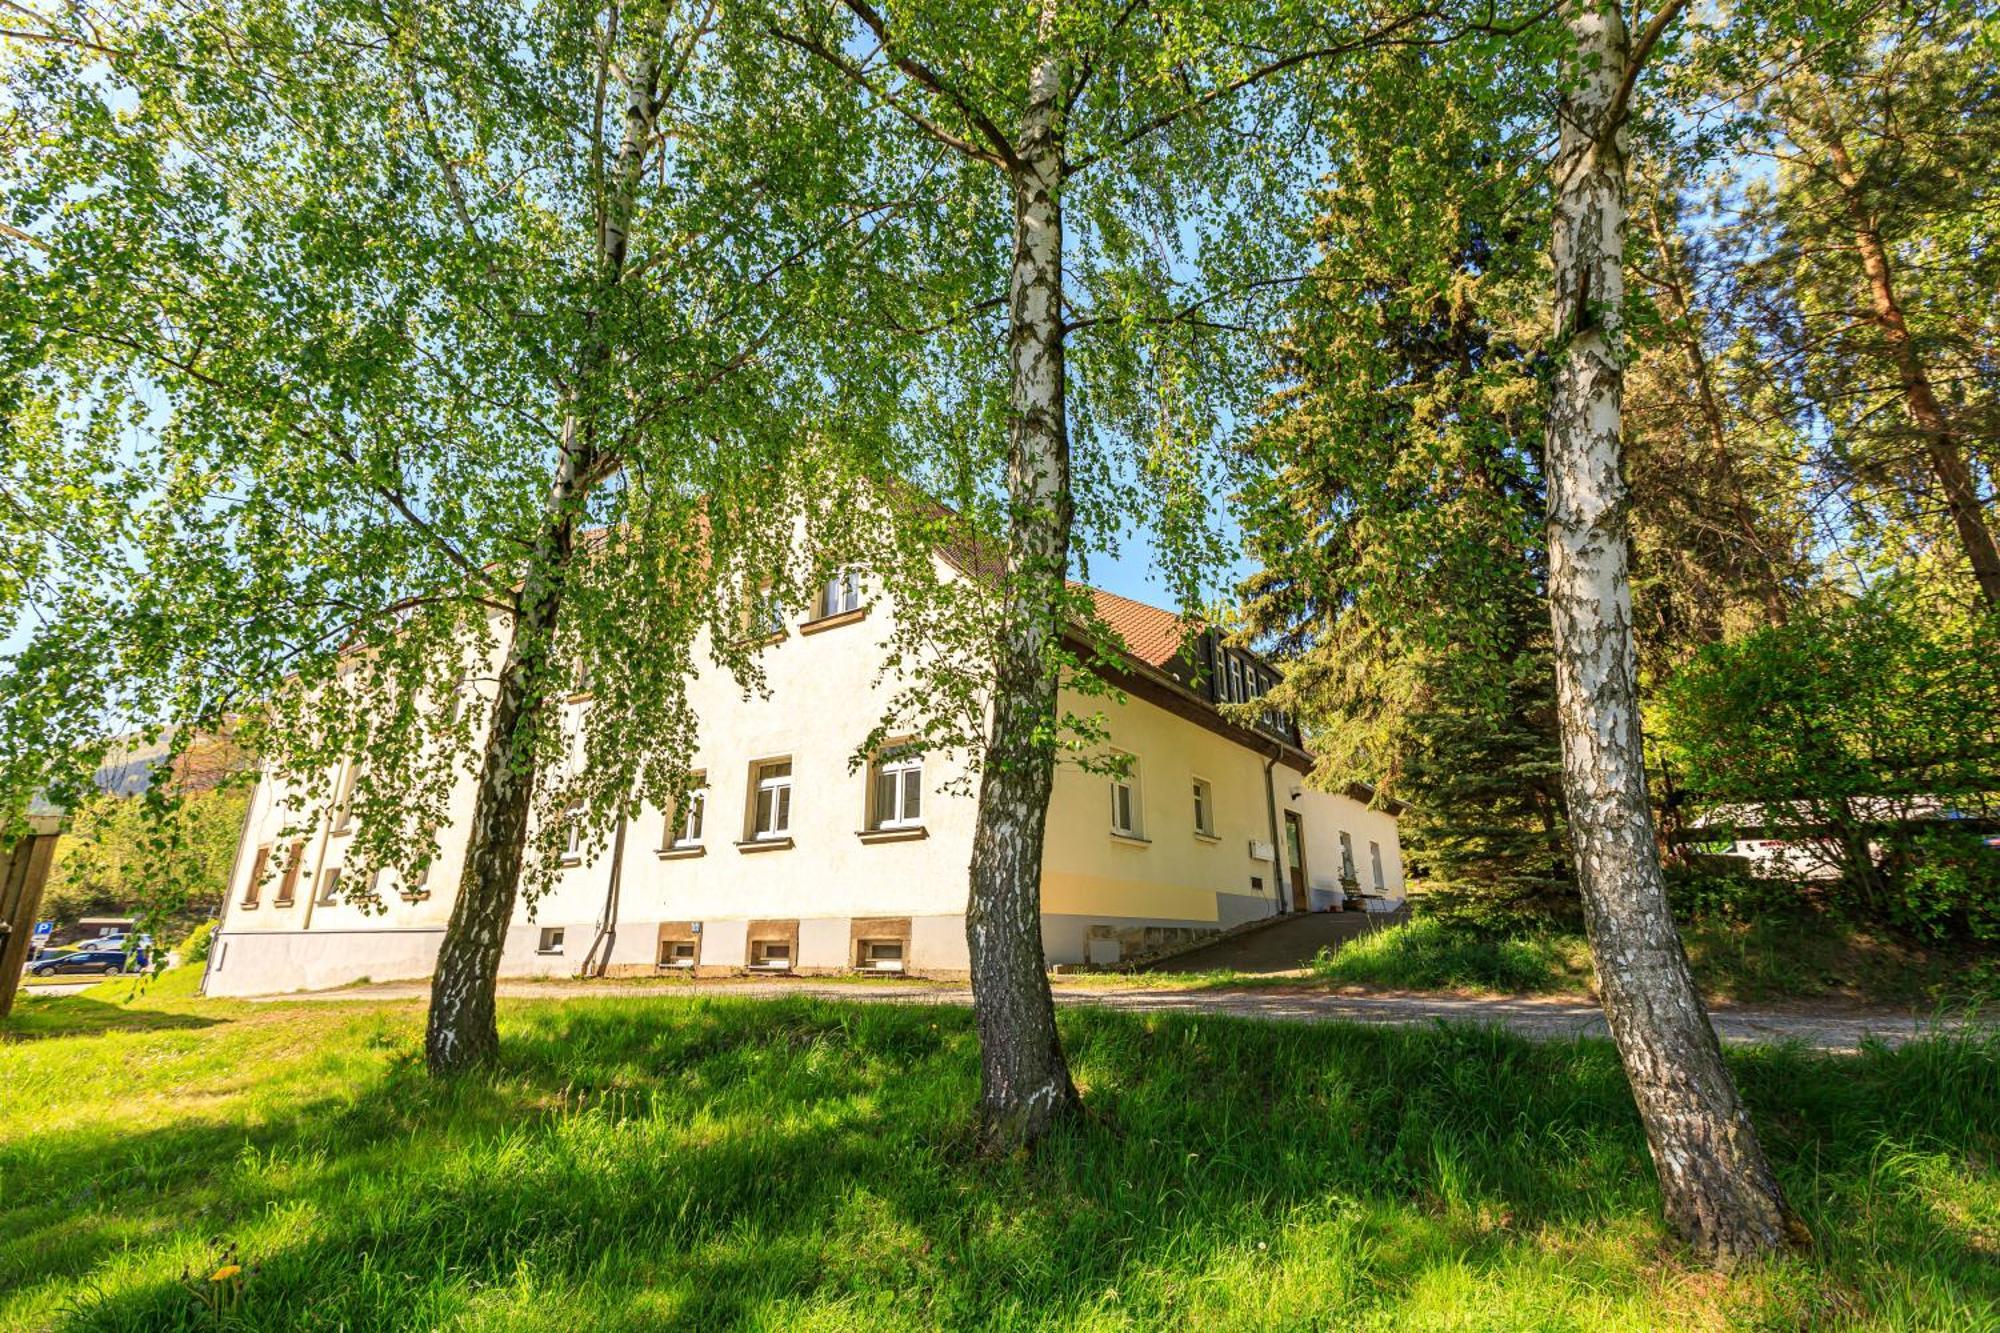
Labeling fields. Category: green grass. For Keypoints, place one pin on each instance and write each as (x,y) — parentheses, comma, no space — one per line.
(1429,954)
(687,1163)
(1764,960)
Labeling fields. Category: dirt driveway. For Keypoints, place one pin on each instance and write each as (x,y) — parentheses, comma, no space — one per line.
(1829,1028)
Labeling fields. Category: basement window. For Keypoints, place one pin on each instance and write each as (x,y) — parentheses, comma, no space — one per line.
(880,956)
(771,955)
(677,953)
(552,940)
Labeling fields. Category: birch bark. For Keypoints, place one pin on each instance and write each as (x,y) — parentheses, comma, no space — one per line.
(1719,1192)
(461,1029)
(1025,1085)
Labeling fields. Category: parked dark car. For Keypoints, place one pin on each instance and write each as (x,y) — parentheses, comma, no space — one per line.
(104,962)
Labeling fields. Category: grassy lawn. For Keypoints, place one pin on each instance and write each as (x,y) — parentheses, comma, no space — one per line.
(708,1163)
(1765,960)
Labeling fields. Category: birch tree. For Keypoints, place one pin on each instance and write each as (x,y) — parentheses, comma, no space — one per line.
(1718,1188)
(1121,173)
(424,337)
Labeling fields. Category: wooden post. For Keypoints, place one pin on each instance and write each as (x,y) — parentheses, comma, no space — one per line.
(24,869)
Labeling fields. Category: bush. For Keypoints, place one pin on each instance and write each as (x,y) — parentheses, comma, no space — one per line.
(194,949)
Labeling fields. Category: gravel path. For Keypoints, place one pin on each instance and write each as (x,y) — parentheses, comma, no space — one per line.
(1825,1027)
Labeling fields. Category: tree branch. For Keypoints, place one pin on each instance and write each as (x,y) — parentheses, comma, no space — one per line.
(1614,113)
(812,46)
(923,74)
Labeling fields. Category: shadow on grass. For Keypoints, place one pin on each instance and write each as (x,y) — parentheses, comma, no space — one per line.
(727,1161)
(37,1017)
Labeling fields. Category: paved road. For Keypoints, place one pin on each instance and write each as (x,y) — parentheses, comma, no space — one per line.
(1544,1018)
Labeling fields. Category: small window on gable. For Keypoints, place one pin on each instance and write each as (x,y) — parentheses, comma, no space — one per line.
(1204,808)
(259,870)
(771,801)
(295,857)
(767,615)
(897,800)
(685,821)
(343,805)
(841,594)
(1125,810)
(551,940)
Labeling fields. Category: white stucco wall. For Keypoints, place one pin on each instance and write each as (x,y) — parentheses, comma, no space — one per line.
(823,700)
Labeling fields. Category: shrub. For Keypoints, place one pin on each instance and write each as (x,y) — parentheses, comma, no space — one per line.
(194,949)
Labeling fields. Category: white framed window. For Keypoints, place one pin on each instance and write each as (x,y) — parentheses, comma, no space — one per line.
(841,594)
(573,836)
(880,956)
(1204,808)
(551,940)
(329,886)
(1235,691)
(343,806)
(1125,810)
(767,616)
(677,953)
(771,800)
(1375,857)
(684,824)
(898,795)
(771,955)
(1347,856)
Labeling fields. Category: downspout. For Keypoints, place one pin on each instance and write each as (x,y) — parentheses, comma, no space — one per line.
(607,925)
(1277,848)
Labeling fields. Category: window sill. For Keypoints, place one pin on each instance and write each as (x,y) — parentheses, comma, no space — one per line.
(834,621)
(871,836)
(549,953)
(686,853)
(247,907)
(764,845)
(580,697)
(1130,839)
(757,641)
(283,902)
(419,896)
(569,861)
(342,831)
(1199,836)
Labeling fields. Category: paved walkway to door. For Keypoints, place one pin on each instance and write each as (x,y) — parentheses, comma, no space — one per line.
(1287,944)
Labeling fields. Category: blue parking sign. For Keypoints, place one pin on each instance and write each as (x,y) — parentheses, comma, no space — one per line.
(44,927)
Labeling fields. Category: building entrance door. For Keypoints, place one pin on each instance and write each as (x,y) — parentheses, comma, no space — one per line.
(1295,849)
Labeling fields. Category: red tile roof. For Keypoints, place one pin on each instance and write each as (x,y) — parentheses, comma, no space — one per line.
(1151,634)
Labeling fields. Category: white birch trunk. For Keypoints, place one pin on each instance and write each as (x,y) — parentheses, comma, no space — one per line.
(1719,1192)
(461,1029)
(1025,1085)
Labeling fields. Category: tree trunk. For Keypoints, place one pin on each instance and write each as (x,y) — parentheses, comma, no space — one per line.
(461,1030)
(1942,445)
(1718,1190)
(1025,1085)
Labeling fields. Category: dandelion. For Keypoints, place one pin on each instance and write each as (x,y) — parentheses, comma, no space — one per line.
(224,1273)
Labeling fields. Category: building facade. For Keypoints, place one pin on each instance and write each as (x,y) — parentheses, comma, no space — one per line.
(786,860)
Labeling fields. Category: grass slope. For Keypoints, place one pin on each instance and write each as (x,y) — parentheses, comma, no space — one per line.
(1767,959)
(710,1163)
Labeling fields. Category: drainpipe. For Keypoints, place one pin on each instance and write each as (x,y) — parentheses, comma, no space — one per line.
(1277,848)
(607,926)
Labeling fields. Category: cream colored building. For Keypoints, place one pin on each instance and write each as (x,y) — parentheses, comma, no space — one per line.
(790,862)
